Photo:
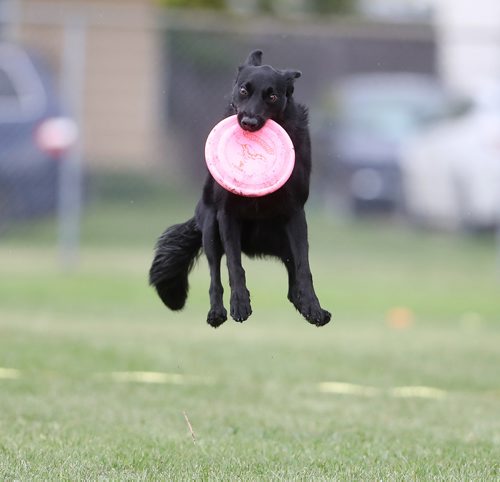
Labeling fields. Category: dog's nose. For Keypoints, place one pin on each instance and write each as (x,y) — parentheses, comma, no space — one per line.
(249,122)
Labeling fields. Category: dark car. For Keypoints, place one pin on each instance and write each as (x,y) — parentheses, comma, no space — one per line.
(364,122)
(34,134)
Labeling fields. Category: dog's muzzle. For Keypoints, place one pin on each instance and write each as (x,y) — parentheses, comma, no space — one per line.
(250,123)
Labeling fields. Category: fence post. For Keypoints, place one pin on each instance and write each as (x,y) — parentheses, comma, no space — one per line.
(71,169)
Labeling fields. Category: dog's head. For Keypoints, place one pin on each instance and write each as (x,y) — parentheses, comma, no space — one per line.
(261,92)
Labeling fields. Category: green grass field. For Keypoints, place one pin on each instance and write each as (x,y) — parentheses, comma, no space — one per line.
(97,378)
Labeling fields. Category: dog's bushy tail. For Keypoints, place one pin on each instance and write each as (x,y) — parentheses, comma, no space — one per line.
(176,252)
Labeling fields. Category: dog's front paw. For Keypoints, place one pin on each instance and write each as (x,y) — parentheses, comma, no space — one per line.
(320,317)
(309,307)
(216,316)
(314,314)
(240,307)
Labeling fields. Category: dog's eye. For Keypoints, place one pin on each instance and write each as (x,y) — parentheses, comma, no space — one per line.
(273,98)
(243,91)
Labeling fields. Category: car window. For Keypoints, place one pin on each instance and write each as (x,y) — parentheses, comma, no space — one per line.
(390,115)
(22,94)
(7,89)
(392,121)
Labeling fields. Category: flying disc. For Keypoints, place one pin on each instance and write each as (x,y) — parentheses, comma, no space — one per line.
(249,163)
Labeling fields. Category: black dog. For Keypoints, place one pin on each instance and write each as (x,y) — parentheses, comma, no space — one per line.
(274,224)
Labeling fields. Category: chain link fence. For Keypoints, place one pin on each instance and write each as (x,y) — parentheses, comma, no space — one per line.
(144,86)
(201,56)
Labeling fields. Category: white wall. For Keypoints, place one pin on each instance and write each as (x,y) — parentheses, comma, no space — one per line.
(468,34)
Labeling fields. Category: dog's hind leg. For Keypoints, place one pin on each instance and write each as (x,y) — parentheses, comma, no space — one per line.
(301,291)
(286,257)
(230,231)
(213,251)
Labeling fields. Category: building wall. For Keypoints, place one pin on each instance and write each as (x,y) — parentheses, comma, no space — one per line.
(130,120)
(121,74)
(468,34)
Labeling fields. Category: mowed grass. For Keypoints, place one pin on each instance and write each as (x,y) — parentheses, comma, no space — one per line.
(411,309)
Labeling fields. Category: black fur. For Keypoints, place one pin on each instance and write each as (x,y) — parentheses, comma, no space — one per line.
(225,223)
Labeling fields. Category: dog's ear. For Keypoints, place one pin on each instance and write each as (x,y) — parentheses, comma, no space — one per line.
(254,58)
(290,76)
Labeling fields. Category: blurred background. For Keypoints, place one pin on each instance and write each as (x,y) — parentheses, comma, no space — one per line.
(404,99)
(105,106)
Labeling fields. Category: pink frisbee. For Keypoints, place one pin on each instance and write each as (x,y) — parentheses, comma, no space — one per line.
(249,163)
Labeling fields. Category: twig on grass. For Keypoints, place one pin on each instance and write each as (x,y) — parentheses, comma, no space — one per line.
(190,427)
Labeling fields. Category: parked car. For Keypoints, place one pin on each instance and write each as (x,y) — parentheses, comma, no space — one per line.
(364,122)
(451,172)
(35,132)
